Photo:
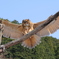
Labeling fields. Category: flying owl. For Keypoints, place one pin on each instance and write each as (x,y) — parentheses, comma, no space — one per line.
(16,31)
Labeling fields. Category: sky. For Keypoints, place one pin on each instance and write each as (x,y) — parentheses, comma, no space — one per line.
(35,10)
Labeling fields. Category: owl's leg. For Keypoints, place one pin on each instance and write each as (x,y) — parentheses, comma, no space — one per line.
(24,32)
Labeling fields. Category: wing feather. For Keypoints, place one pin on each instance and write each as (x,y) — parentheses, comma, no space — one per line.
(50,28)
(13,31)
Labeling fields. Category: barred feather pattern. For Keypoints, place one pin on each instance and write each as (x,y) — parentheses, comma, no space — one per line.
(31,42)
(50,28)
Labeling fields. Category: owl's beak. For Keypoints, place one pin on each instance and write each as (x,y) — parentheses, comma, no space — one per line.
(26,24)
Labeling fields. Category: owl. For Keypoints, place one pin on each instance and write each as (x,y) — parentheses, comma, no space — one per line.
(16,31)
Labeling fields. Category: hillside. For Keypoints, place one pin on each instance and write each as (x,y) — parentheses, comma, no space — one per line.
(47,49)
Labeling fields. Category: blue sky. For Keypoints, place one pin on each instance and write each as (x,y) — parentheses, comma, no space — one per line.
(35,10)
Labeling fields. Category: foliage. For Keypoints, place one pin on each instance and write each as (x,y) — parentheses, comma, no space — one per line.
(4,19)
(15,21)
(47,49)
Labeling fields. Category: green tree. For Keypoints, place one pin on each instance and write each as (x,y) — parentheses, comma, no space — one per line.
(15,21)
(47,49)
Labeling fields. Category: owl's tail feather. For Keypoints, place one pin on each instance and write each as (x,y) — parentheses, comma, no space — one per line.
(31,42)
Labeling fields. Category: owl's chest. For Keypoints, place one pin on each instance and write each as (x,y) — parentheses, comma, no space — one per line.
(27,29)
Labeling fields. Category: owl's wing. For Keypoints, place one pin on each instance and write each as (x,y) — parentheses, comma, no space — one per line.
(13,31)
(49,29)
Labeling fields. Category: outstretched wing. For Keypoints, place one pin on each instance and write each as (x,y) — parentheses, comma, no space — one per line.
(49,29)
(13,31)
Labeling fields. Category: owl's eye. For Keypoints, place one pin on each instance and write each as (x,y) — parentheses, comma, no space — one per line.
(24,21)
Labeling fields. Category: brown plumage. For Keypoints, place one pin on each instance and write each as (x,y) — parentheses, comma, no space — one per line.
(15,31)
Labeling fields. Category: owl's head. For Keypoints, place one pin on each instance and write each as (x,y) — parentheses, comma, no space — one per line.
(26,23)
